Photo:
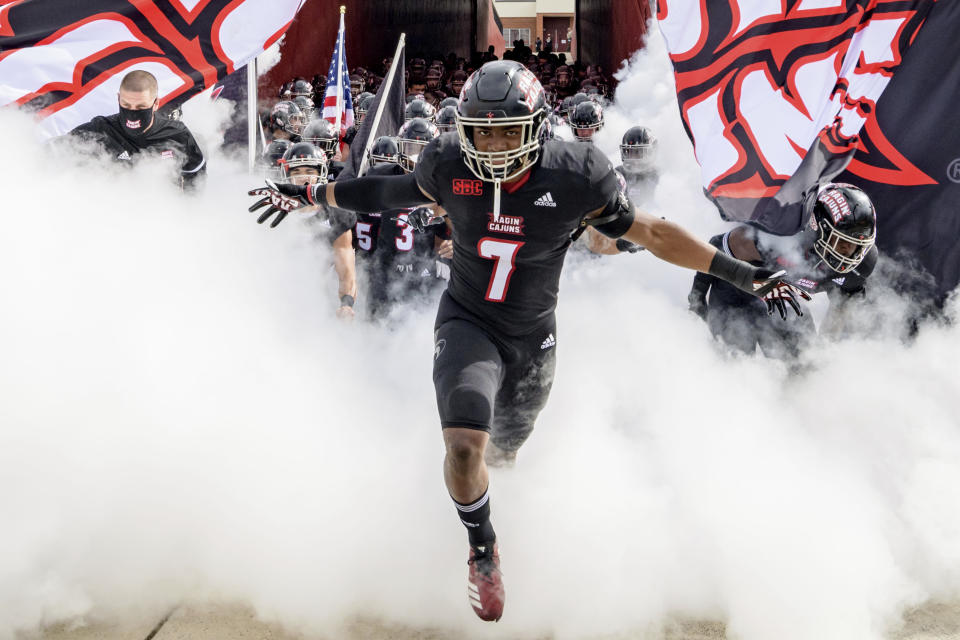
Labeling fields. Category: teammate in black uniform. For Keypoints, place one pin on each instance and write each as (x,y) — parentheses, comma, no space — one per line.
(514,203)
(836,253)
(305,164)
(139,130)
(638,156)
(384,160)
(406,266)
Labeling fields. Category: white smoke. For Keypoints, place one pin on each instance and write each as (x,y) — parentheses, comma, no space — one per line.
(182,419)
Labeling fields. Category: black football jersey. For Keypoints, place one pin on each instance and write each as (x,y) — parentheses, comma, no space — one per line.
(507,271)
(399,245)
(166,139)
(367,229)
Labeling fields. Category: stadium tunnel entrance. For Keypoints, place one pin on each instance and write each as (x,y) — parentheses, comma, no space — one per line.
(607,32)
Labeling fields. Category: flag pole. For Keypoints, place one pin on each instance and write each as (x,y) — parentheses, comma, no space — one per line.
(342,36)
(253,115)
(387,84)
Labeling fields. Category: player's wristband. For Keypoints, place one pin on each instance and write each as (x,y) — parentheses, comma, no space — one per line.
(346,300)
(736,272)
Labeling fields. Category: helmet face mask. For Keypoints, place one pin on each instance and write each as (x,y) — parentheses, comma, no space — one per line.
(385,149)
(302,156)
(287,116)
(500,95)
(413,137)
(638,150)
(586,120)
(845,223)
(447,119)
(273,157)
(322,135)
(306,106)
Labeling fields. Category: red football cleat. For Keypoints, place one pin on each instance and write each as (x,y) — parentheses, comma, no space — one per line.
(485,583)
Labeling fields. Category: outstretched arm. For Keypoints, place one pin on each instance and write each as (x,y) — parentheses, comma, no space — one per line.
(372,194)
(672,243)
(369,194)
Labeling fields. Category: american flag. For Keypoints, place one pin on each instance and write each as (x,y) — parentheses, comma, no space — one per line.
(337,102)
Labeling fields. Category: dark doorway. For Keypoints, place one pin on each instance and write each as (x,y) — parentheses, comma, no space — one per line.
(559,33)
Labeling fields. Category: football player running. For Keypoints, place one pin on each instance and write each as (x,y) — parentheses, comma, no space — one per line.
(515,202)
(835,252)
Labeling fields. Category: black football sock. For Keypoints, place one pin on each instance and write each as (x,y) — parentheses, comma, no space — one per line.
(476,518)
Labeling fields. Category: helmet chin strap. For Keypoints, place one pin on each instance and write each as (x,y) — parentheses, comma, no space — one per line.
(496,199)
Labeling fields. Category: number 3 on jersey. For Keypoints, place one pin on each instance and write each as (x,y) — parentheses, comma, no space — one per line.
(503,253)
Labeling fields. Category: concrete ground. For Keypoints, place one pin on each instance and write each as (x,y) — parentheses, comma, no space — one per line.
(934,621)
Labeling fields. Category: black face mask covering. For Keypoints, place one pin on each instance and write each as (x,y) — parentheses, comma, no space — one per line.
(135,121)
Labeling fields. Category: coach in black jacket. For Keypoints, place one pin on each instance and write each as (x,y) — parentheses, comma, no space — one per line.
(139,130)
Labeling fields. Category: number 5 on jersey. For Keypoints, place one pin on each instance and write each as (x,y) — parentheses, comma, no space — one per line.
(503,252)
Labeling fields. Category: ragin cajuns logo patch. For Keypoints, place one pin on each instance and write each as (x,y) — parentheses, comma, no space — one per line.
(506,224)
(836,204)
(531,88)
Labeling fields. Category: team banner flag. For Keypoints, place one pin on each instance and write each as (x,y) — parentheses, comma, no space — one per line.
(337,101)
(908,159)
(774,94)
(65,59)
(384,116)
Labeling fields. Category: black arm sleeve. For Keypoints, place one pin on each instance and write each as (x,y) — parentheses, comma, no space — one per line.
(372,194)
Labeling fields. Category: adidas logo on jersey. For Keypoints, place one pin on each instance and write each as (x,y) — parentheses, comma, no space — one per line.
(549,342)
(546,200)
(124,156)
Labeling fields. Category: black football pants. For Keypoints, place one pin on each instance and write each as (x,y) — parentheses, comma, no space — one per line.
(488,381)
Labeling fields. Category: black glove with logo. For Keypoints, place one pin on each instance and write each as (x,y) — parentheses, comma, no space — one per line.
(281,199)
(420,218)
(783,294)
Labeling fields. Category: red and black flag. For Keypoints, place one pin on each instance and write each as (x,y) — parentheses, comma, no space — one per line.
(64,59)
(908,159)
(775,95)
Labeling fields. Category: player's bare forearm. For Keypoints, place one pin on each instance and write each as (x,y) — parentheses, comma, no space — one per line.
(345,264)
(671,242)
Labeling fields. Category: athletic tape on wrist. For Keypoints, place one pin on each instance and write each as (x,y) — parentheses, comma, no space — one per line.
(736,272)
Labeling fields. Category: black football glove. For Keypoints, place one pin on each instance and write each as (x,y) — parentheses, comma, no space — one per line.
(777,292)
(785,293)
(420,219)
(281,199)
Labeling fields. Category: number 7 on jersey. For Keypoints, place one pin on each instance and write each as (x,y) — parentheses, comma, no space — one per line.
(503,252)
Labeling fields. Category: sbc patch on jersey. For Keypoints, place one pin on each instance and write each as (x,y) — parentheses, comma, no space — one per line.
(463,187)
